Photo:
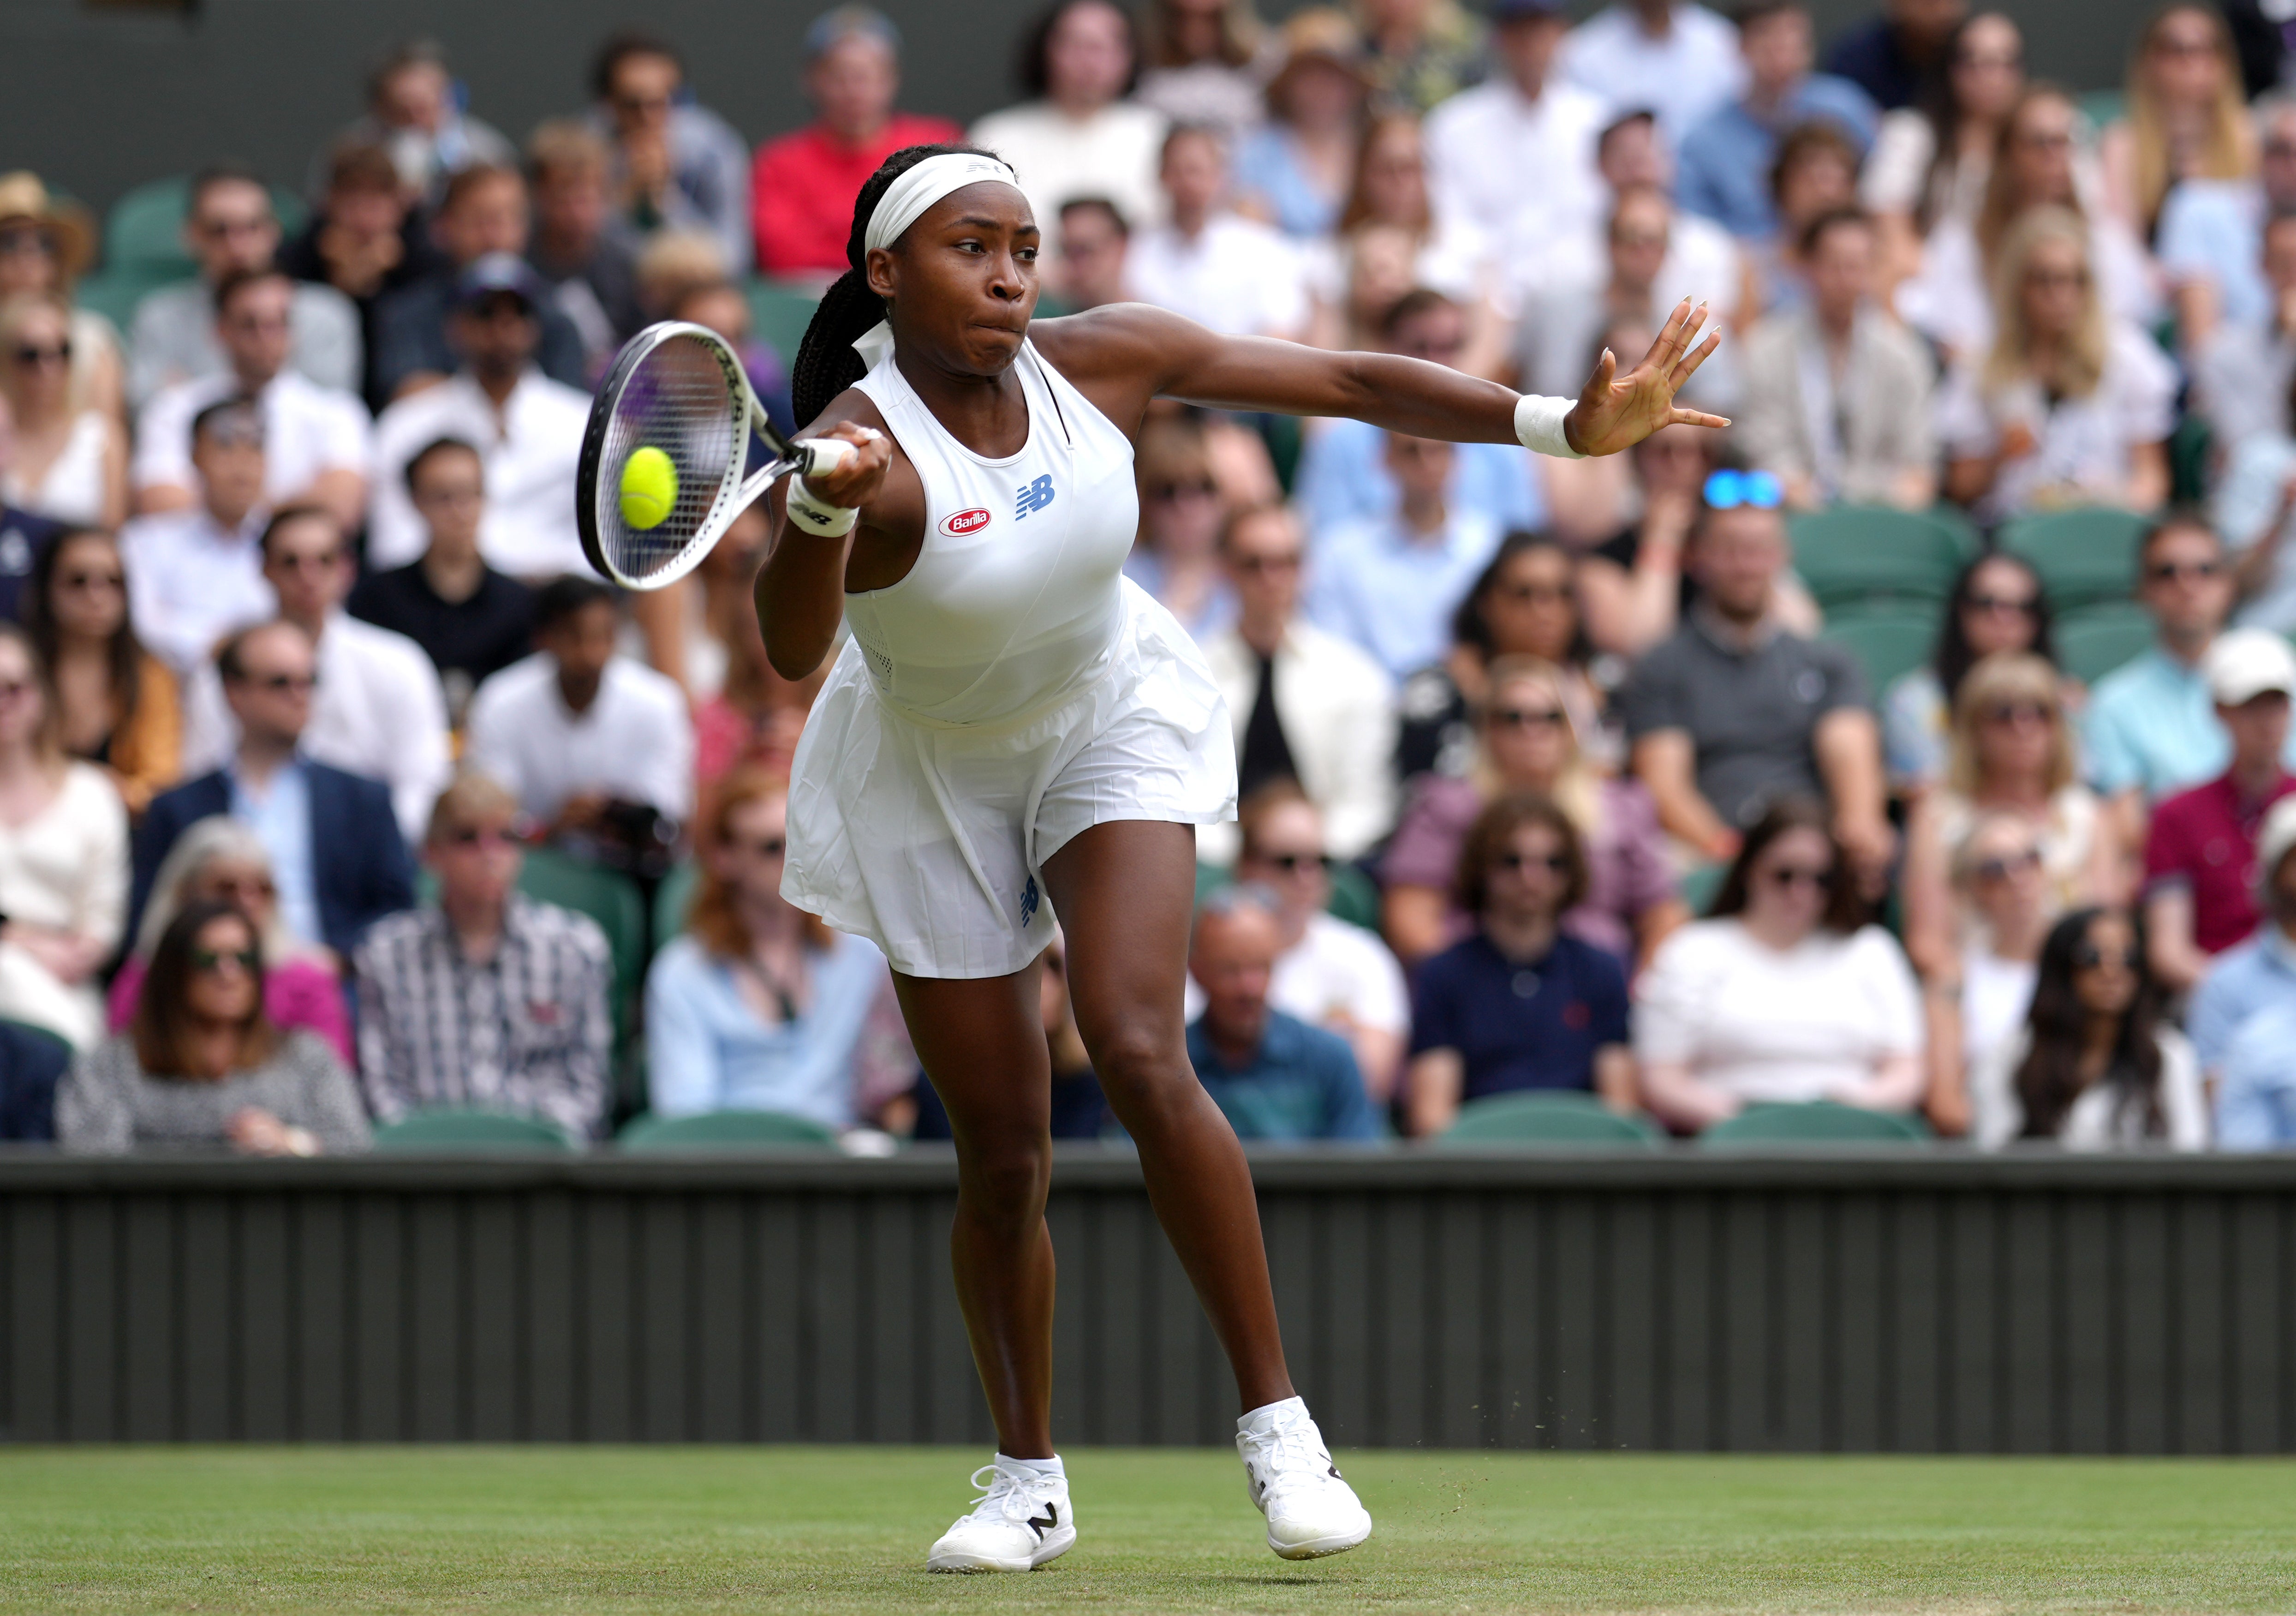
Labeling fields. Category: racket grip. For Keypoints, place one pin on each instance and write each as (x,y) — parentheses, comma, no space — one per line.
(822,454)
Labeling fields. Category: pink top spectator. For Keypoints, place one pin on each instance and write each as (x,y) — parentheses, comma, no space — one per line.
(295,993)
(1626,857)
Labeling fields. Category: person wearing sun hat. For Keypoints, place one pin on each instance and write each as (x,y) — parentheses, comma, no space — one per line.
(1295,170)
(46,245)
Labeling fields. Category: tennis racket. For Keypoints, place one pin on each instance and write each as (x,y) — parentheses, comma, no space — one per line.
(666,464)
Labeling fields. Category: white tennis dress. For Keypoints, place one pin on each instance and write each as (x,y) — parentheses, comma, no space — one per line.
(1012,690)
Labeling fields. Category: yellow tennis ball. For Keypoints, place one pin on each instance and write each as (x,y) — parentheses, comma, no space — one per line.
(649,487)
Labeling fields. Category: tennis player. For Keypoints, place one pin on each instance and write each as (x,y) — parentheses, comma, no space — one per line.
(1015,730)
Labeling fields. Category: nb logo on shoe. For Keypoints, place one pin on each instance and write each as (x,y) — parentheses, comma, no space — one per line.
(959,523)
(1036,496)
(1048,1519)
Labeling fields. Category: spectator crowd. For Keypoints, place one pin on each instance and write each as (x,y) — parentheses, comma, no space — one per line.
(1919,747)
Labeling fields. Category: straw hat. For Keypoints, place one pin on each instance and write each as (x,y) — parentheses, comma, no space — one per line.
(70,231)
(1318,34)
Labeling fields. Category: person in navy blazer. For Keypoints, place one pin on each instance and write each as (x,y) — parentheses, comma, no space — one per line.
(340,863)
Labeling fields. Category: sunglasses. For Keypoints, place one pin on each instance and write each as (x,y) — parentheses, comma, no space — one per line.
(286,683)
(1554,864)
(2168,572)
(1206,489)
(472,836)
(1523,718)
(1727,490)
(211,960)
(1268,563)
(2023,605)
(1788,877)
(2088,956)
(2018,712)
(2000,868)
(93,580)
(1535,594)
(33,354)
(1291,863)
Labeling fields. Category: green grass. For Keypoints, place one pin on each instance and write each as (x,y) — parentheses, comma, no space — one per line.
(662,1530)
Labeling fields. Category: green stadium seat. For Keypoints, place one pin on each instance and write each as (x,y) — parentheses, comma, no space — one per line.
(1887,640)
(2093,640)
(470,1130)
(605,895)
(2082,556)
(718,1129)
(115,292)
(1817,1122)
(672,901)
(145,228)
(1701,884)
(779,315)
(1863,553)
(2103,107)
(1547,1119)
(1354,897)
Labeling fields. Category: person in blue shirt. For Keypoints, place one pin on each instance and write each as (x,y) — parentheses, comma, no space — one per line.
(2151,727)
(1519,1005)
(1724,167)
(1278,1080)
(2251,987)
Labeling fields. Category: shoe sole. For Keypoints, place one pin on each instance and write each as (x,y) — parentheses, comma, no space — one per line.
(1050,1550)
(1316,1548)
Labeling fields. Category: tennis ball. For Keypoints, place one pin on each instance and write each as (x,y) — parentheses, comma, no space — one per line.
(649,487)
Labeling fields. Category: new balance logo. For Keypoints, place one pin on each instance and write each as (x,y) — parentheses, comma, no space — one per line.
(1052,1519)
(1027,903)
(1036,496)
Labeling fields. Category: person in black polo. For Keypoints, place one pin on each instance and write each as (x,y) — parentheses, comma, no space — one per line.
(469,620)
(1733,711)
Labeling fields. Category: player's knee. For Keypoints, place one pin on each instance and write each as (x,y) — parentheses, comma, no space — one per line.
(1007,1175)
(1140,1064)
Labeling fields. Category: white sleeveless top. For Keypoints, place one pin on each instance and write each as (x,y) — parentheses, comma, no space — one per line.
(1015,603)
(72,491)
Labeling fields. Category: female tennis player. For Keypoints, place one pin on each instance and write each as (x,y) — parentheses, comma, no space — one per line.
(1015,731)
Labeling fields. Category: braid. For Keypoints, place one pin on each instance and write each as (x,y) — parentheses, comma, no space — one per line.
(826,364)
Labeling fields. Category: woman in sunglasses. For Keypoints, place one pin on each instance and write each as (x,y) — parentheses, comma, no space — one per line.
(758,1005)
(116,703)
(1528,742)
(1784,994)
(69,459)
(1997,605)
(1997,876)
(2095,1066)
(2012,752)
(45,247)
(202,1065)
(1176,556)
(220,859)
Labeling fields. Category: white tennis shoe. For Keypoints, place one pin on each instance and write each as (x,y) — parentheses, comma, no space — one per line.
(1311,1512)
(1021,1521)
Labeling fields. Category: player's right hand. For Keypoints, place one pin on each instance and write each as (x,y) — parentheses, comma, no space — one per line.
(861,477)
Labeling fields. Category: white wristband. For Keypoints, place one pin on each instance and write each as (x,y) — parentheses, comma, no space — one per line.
(815,515)
(1538,424)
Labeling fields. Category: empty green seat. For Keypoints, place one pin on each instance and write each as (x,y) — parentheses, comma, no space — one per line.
(1701,884)
(1546,1119)
(717,1129)
(1886,642)
(1816,1123)
(115,292)
(2095,640)
(671,901)
(2082,556)
(470,1130)
(779,315)
(1862,553)
(606,896)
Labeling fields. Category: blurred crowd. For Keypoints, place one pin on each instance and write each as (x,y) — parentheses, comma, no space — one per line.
(1919,748)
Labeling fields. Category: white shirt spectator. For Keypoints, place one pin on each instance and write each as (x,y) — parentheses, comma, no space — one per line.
(307,430)
(2083,443)
(1338,710)
(1457,259)
(1238,277)
(531,449)
(1897,178)
(634,743)
(1114,153)
(172,339)
(1789,1026)
(190,582)
(64,868)
(1485,146)
(1703,262)
(378,711)
(1695,68)
(2098,1121)
(2240,379)
(1995,996)
(1335,971)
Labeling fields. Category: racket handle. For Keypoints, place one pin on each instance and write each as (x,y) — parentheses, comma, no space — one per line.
(821,455)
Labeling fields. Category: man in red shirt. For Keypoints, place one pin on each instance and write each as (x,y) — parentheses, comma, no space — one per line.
(802,185)
(2200,857)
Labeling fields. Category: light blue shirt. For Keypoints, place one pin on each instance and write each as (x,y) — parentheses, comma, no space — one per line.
(1343,478)
(2256,1106)
(281,819)
(2213,230)
(2241,982)
(705,1049)
(2246,502)
(1392,594)
(1725,167)
(2153,726)
(1269,167)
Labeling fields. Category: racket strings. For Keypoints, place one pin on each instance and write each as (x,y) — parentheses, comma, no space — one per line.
(679,400)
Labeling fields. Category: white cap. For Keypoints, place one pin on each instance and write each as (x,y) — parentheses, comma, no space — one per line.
(2245,663)
(2275,841)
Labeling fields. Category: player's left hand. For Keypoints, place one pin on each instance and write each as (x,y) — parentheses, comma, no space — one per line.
(1618,412)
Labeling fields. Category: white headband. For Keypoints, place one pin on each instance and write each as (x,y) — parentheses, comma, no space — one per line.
(904,202)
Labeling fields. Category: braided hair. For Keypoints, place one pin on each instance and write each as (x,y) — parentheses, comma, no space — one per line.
(826,364)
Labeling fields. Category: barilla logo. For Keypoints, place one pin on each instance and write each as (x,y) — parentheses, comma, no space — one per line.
(963,523)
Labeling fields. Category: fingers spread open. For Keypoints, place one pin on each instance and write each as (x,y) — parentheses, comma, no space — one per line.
(1687,368)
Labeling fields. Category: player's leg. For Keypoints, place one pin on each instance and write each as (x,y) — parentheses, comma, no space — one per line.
(982,1045)
(1124,893)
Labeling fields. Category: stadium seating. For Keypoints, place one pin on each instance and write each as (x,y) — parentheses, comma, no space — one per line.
(1866,553)
(1546,1119)
(2093,640)
(1354,897)
(2083,557)
(608,899)
(723,1129)
(145,230)
(1701,884)
(672,901)
(779,314)
(470,1130)
(1887,640)
(1817,1122)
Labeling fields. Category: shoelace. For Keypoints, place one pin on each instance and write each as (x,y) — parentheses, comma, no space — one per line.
(1000,1490)
(1292,1456)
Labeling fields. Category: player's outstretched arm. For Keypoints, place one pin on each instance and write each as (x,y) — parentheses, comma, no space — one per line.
(1182,359)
